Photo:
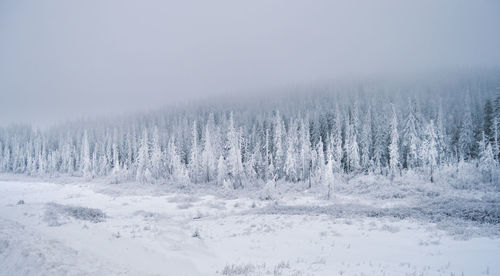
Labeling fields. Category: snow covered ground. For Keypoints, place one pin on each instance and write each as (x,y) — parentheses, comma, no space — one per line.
(80,228)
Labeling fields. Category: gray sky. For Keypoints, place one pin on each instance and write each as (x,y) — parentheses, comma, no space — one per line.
(63,59)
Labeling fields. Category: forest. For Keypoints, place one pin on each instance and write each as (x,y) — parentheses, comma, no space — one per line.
(316,135)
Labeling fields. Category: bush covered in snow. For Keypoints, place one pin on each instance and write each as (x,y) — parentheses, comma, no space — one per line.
(57,214)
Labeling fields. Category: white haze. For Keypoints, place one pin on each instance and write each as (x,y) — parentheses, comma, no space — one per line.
(63,59)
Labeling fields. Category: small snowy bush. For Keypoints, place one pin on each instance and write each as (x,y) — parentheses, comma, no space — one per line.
(57,214)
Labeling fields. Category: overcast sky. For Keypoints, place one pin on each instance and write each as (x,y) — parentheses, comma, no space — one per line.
(62,59)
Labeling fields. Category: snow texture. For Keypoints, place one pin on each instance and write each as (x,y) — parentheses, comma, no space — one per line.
(95,228)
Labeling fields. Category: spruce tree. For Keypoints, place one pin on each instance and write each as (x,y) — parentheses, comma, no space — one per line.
(366,141)
(487,163)
(410,139)
(143,158)
(85,157)
(156,155)
(393,145)
(466,135)
(209,162)
(429,151)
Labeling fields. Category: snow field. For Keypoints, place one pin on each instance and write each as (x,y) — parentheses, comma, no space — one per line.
(179,234)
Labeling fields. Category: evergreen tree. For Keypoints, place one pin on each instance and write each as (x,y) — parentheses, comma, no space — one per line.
(441,139)
(233,161)
(85,157)
(252,161)
(176,168)
(67,165)
(336,141)
(318,168)
(195,158)
(380,143)
(393,145)
(410,139)
(351,146)
(496,126)
(366,141)
(429,150)
(488,124)
(279,154)
(221,171)
(495,143)
(143,158)
(103,161)
(268,158)
(156,155)
(466,136)
(487,163)
(347,146)
(6,159)
(116,159)
(328,176)
(305,152)
(290,165)
(209,162)
(30,164)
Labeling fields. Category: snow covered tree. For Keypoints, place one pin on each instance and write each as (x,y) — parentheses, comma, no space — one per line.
(30,164)
(393,145)
(429,151)
(209,162)
(233,159)
(305,151)
(379,144)
(488,124)
(52,160)
(195,157)
(410,139)
(354,154)
(328,176)
(441,139)
(85,161)
(143,159)
(291,157)
(252,161)
(366,141)
(466,136)
(156,155)
(482,142)
(336,141)
(351,144)
(6,160)
(116,159)
(103,160)
(67,156)
(268,158)
(176,168)
(496,126)
(354,119)
(487,163)
(495,143)
(279,154)
(318,168)
(221,172)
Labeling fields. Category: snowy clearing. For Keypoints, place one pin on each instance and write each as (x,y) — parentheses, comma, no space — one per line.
(105,229)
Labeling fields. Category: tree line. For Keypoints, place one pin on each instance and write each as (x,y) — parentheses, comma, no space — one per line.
(309,136)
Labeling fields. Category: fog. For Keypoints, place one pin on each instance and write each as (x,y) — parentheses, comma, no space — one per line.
(60,60)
